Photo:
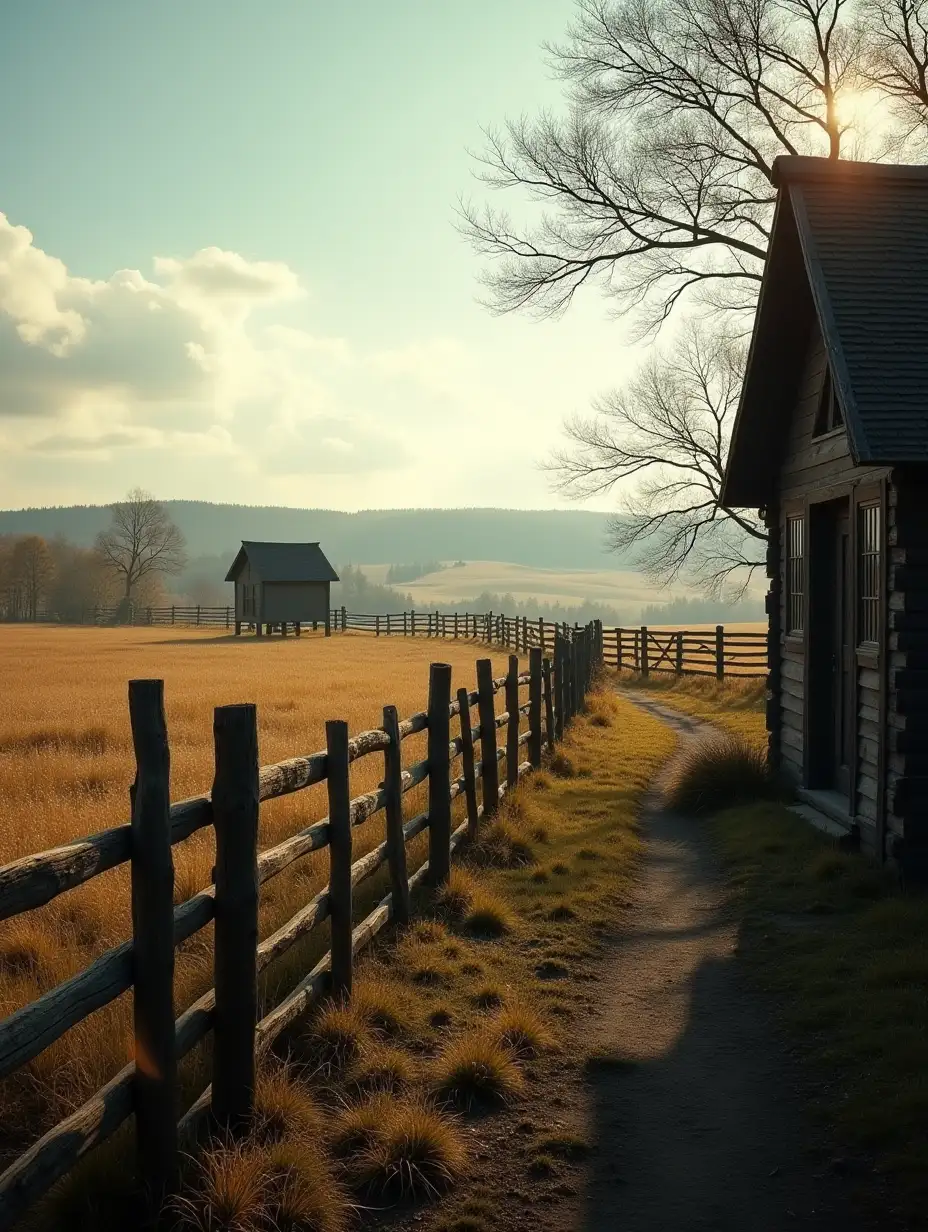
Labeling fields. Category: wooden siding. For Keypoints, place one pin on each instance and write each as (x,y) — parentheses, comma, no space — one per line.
(907,668)
(295,601)
(814,470)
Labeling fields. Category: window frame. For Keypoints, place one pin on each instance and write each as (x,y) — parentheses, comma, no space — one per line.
(829,418)
(794,586)
(869,575)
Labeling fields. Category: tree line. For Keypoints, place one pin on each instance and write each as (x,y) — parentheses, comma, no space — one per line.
(128,564)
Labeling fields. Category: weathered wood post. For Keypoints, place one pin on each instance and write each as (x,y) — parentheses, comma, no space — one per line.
(558,686)
(412,622)
(298,628)
(377,625)
(328,623)
(340,906)
(720,652)
(678,664)
(172,613)
(283,628)
(644,667)
(489,637)
(512,727)
(388,624)
(535,703)
(548,703)
(235,803)
(238,628)
(152,869)
(467,763)
(618,649)
(439,739)
(455,626)
(486,709)
(344,620)
(198,615)
(393,808)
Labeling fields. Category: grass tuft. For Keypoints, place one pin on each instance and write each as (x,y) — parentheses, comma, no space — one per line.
(338,1035)
(284,1108)
(476,1070)
(383,1004)
(521,1030)
(418,1153)
(357,1126)
(719,772)
(561,765)
(382,1067)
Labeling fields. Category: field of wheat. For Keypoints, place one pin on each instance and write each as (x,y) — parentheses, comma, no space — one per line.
(66,764)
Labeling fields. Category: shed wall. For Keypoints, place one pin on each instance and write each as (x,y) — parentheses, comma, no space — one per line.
(813,470)
(293,601)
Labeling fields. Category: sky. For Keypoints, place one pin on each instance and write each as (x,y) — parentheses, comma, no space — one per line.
(228,264)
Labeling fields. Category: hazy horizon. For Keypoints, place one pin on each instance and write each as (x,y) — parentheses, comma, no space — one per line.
(228,266)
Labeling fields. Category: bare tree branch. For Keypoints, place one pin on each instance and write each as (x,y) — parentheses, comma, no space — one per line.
(663,439)
(657,183)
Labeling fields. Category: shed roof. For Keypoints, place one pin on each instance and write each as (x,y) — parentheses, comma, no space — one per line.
(855,236)
(283,562)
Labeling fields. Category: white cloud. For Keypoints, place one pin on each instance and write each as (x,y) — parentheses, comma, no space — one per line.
(174,364)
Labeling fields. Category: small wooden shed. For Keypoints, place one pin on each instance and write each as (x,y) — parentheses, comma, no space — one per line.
(831,444)
(281,584)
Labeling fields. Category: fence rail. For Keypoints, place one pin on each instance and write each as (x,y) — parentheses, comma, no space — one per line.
(556,687)
(684,652)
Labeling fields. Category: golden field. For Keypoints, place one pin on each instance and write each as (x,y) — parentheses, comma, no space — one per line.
(66,765)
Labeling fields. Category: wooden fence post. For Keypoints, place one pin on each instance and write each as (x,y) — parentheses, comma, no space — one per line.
(678,666)
(388,624)
(344,620)
(548,703)
(644,667)
(412,623)
(377,625)
(618,649)
(235,818)
(490,628)
(535,703)
(467,764)
(393,808)
(455,626)
(512,727)
(720,652)
(558,686)
(487,713)
(340,907)
(439,739)
(152,869)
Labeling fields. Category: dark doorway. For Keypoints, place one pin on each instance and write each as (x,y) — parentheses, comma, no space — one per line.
(831,694)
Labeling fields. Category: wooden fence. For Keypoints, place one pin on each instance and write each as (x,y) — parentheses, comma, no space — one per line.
(685,652)
(556,688)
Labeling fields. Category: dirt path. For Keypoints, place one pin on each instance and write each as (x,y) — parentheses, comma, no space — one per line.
(703,1128)
(695,1118)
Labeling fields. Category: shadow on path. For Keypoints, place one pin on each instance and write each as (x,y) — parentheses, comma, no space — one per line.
(694,1112)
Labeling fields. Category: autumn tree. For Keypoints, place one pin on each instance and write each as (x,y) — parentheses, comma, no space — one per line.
(142,542)
(32,569)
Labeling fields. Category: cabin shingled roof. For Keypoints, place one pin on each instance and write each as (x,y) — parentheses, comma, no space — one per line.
(861,230)
(283,562)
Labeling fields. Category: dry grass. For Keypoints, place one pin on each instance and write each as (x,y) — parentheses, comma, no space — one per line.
(476,1069)
(832,937)
(718,772)
(735,704)
(65,768)
(417,1152)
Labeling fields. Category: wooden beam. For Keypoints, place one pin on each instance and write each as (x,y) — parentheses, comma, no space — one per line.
(439,738)
(340,895)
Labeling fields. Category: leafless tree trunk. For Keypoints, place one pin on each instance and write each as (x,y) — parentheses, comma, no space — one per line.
(141,540)
(663,440)
(33,568)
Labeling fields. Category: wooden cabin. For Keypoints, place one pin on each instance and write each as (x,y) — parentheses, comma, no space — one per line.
(281,584)
(830,443)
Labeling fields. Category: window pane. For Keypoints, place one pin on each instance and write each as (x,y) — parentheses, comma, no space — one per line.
(794,558)
(868,573)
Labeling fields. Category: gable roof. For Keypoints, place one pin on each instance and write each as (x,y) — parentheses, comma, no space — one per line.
(283,562)
(850,245)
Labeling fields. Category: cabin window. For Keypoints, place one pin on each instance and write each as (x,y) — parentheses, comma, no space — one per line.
(795,544)
(868,574)
(828,417)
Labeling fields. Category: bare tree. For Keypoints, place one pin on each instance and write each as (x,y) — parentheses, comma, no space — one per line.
(896,62)
(141,541)
(658,183)
(663,439)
